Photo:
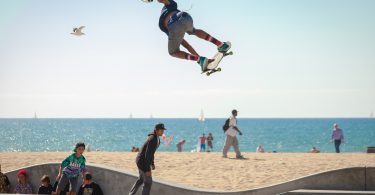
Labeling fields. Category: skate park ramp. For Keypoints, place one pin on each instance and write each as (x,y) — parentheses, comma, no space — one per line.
(118,182)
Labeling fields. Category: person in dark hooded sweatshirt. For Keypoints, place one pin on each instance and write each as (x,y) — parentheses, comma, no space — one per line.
(145,160)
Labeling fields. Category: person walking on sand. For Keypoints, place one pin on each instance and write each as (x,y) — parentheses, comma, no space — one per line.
(145,160)
(179,145)
(210,138)
(202,140)
(231,136)
(175,24)
(337,137)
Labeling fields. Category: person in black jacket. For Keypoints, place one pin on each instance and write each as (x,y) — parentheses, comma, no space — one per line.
(46,187)
(89,187)
(145,160)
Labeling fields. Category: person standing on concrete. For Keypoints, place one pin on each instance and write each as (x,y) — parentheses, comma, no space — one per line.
(89,187)
(145,160)
(231,136)
(337,137)
(4,183)
(70,170)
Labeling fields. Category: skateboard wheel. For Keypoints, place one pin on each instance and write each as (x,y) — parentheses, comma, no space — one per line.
(230,53)
(219,69)
(208,74)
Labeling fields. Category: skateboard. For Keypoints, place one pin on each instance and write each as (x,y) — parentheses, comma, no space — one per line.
(213,66)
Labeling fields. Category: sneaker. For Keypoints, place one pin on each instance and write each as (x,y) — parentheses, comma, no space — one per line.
(240,157)
(224,47)
(203,61)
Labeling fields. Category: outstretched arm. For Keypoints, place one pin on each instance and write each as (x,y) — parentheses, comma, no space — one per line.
(189,47)
(165,2)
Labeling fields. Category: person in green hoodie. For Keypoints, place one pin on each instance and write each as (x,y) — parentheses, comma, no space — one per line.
(71,168)
(145,160)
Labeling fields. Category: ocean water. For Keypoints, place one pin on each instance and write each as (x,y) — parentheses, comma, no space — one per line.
(281,135)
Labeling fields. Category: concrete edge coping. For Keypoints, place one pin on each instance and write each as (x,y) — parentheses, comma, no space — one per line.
(331,191)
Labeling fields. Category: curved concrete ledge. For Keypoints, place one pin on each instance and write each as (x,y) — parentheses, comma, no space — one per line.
(119,182)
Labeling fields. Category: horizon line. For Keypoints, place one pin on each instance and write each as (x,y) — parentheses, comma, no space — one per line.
(154,118)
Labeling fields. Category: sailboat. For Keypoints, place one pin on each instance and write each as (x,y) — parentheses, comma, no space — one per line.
(372,115)
(35,116)
(201,117)
(130,116)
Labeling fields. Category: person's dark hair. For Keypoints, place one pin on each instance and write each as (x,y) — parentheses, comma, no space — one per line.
(160,126)
(234,111)
(80,144)
(88,176)
(45,178)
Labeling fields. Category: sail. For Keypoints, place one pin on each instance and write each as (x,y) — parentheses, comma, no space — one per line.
(201,117)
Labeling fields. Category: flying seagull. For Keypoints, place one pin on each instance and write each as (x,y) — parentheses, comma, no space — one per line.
(78,31)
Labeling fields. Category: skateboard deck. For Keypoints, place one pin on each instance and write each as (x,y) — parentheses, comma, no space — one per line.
(213,66)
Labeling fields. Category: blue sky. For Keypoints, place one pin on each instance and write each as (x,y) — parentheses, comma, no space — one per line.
(308,58)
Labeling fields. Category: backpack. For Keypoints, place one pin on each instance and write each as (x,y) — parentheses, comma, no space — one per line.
(226,125)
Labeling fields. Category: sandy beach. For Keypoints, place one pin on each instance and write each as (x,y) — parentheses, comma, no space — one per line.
(209,170)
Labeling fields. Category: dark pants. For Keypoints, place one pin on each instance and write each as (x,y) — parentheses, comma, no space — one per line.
(337,145)
(142,179)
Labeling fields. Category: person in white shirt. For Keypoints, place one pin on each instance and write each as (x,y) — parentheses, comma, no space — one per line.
(231,136)
(260,149)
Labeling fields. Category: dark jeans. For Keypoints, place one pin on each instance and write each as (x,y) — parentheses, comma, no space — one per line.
(337,145)
(142,179)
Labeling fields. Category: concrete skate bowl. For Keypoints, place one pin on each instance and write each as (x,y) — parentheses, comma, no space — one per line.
(119,182)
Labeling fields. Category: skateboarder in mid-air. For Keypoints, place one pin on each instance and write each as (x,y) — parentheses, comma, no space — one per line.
(175,24)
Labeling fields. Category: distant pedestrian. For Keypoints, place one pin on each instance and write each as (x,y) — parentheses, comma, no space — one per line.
(145,160)
(314,150)
(202,140)
(260,149)
(210,138)
(180,144)
(135,149)
(231,136)
(337,137)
